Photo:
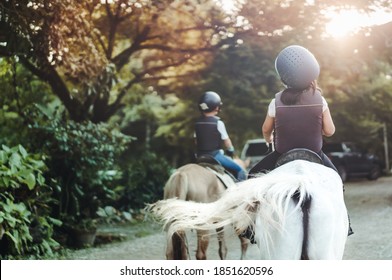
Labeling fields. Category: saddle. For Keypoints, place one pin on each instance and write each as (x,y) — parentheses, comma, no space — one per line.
(294,154)
(211,162)
(299,153)
(215,167)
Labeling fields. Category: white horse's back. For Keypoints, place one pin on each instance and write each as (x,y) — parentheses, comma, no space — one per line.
(326,233)
(267,204)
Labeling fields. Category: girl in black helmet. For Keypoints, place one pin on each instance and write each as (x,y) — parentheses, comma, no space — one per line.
(298,116)
(210,132)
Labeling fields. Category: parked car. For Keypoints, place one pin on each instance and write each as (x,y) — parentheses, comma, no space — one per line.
(254,150)
(352,162)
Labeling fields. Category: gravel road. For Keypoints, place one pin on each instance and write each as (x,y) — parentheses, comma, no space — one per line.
(369,204)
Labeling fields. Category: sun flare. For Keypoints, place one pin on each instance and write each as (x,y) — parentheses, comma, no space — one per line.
(345,22)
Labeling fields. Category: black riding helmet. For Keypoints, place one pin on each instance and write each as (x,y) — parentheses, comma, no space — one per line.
(209,101)
(297,67)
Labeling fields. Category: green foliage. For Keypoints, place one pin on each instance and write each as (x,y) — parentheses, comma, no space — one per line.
(21,92)
(15,221)
(24,206)
(143,181)
(20,169)
(83,159)
(245,78)
(371,97)
(163,125)
(110,215)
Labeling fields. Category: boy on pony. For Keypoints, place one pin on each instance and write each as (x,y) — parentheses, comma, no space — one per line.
(210,132)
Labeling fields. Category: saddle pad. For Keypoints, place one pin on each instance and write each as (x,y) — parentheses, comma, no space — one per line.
(226,180)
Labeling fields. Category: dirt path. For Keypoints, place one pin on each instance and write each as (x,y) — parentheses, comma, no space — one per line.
(370,209)
(369,204)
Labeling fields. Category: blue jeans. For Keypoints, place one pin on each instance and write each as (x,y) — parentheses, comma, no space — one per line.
(230,165)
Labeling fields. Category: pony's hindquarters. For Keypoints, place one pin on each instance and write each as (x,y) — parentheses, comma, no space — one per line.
(283,242)
(328,227)
(192,182)
(317,233)
(313,221)
(195,183)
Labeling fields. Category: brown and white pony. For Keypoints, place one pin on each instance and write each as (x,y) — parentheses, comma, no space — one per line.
(193,182)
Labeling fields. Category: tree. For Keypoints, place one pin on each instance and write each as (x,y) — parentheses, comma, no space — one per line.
(93,52)
(245,78)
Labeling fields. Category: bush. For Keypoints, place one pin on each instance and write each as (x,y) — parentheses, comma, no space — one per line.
(25,223)
(83,159)
(144,180)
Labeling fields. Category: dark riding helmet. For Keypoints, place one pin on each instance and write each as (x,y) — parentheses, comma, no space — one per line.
(297,67)
(209,101)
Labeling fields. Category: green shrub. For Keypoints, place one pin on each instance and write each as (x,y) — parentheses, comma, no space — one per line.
(83,159)
(143,181)
(25,223)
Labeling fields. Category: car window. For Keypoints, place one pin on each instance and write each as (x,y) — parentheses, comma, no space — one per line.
(256,149)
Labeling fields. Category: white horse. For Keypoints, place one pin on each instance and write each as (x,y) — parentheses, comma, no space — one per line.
(297,212)
(193,182)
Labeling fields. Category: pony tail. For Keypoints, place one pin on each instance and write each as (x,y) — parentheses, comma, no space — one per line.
(232,208)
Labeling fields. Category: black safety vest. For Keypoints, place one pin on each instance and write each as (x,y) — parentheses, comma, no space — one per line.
(299,125)
(208,138)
